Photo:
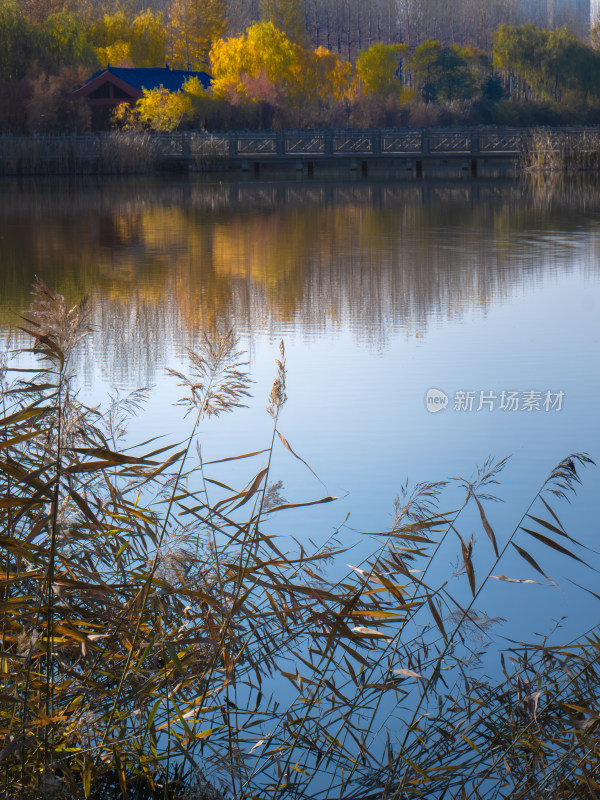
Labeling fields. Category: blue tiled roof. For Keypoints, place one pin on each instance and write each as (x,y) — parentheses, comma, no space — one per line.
(153,77)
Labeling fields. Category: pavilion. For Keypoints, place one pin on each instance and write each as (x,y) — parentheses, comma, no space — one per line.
(112,86)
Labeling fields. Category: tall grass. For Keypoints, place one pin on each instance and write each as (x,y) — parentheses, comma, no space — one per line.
(208,151)
(124,152)
(159,640)
(111,153)
(545,150)
(39,155)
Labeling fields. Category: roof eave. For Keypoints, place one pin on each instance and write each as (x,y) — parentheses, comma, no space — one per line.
(107,77)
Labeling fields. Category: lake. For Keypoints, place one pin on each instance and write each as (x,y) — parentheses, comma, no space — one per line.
(427,326)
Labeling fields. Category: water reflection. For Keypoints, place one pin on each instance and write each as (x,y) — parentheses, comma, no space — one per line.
(162,259)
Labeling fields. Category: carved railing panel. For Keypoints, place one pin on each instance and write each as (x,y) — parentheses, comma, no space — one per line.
(257,145)
(401,143)
(304,144)
(209,145)
(169,144)
(450,143)
(355,143)
(350,144)
(500,142)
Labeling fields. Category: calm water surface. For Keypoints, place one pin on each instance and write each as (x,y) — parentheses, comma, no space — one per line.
(381,292)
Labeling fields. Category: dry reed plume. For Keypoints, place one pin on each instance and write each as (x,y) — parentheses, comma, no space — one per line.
(158,642)
(547,151)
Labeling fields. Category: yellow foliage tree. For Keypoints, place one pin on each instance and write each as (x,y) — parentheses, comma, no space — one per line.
(379,69)
(203,103)
(262,50)
(327,74)
(140,42)
(149,41)
(194,26)
(322,79)
(264,65)
(125,117)
(164,111)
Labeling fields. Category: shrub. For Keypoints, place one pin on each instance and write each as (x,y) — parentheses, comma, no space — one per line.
(50,108)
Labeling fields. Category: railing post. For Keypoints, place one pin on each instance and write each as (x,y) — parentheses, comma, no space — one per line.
(376,143)
(425,143)
(185,145)
(474,144)
(232,145)
(280,146)
(328,147)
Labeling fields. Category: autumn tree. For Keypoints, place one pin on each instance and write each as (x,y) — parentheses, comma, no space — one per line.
(162,110)
(18,42)
(40,65)
(543,65)
(206,110)
(259,67)
(570,65)
(111,37)
(519,52)
(329,72)
(140,42)
(379,69)
(263,66)
(63,42)
(442,72)
(263,49)
(49,107)
(323,83)
(195,25)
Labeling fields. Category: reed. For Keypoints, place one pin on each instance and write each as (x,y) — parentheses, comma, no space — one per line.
(209,152)
(123,152)
(546,150)
(158,640)
(112,153)
(46,155)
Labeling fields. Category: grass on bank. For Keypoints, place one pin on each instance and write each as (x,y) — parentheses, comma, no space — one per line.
(110,153)
(547,150)
(158,640)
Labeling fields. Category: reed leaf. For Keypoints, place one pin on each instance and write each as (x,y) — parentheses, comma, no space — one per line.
(156,641)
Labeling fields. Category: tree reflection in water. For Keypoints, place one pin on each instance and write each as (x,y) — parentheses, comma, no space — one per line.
(163,259)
